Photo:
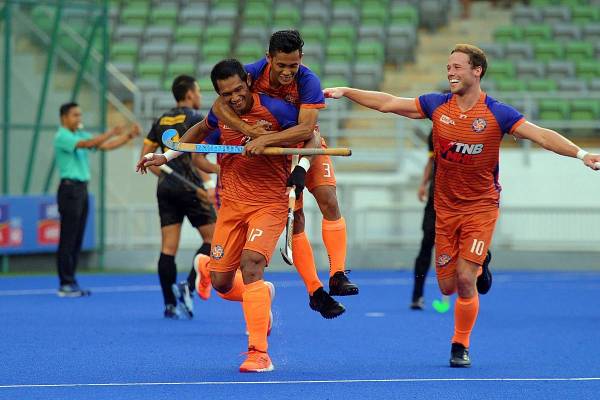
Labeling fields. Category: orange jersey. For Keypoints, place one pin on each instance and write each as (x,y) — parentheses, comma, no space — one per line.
(304,91)
(258,179)
(467,149)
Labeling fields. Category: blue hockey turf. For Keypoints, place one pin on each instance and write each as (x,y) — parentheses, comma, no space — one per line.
(537,336)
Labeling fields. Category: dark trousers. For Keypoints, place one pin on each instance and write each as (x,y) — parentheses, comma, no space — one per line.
(423,260)
(73,208)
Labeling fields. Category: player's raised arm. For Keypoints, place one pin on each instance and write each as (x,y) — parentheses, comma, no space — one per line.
(379,101)
(554,141)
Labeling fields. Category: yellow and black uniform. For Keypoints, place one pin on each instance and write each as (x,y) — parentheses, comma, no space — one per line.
(177,200)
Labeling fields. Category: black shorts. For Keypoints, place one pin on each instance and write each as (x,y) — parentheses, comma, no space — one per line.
(174,205)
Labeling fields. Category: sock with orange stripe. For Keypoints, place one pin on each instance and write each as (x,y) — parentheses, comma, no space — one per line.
(305,263)
(257,306)
(237,291)
(334,238)
(465,315)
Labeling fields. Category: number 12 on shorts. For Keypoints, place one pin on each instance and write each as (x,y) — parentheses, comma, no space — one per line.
(477,247)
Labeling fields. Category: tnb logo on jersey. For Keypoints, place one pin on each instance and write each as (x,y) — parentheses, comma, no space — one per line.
(461,153)
(479,125)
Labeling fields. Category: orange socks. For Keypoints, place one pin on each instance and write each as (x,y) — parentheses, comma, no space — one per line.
(465,315)
(236,292)
(334,238)
(257,306)
(305,262)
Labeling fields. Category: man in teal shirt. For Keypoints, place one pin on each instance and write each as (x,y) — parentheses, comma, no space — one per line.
(72,145)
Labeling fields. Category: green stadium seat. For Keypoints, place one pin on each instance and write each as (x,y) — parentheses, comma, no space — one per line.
(537,33)
(205,85)
(286,16)
(573,3)
(314,33)
(404,15)
(340,51)
(585,109)
(163,16)
(124,52)
(542,85)
(343,32)
(218,32)
(150,70)
(501,69)
(334,81)
(583,15)
(215,51)
(542,3)
(506,34)
(188,34)
(510,85)
(175,69)
(579,51)
(135,14)
(249,52)
(553,109)
(370,52)
(373,13)
(548,51)
(257,16)
(588,69)
(344,3)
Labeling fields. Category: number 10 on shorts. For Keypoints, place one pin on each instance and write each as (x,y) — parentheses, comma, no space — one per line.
(477,247)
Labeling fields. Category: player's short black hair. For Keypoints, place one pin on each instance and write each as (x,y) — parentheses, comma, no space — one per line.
(181,85)
(286,41)
(65,108)
(226,69)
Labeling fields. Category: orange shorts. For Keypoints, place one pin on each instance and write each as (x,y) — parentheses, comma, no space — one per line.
(245,227)
(320,173)
(462,235)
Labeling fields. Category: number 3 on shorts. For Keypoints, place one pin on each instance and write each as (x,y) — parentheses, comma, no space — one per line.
(477,247)
(327,168)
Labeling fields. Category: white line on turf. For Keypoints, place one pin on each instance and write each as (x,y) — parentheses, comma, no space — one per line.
(302,382)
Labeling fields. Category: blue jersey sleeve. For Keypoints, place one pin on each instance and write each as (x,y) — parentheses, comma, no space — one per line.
(255,69)
(285,113)
(214,137)
(309,88)
(508,118)
(429,102)
(212,119)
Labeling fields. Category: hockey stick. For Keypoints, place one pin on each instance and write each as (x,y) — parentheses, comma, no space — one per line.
(169,171)
(168,135)
(287,253)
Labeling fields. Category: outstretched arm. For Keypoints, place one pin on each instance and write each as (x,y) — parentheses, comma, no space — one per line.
(379,101)
(553,141)
(121,139)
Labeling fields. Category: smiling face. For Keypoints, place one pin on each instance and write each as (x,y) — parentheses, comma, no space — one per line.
(462,76)
(236,93)
(284,66)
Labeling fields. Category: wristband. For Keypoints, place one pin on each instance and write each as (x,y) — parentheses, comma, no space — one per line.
(210,184)
(304,163)
(581,154)
(171,154)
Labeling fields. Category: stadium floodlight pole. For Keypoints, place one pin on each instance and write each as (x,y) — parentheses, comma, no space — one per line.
(103,114)
(169,134)
(43,95)
(6,136)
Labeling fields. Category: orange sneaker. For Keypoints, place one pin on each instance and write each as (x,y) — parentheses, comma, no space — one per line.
(257,361)
(203,285)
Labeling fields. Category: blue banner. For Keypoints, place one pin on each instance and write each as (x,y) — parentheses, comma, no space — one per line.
(31,224)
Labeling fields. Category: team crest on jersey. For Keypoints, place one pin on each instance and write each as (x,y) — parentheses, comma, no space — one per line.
(266,125)
(443,260)
(217,252)
(479,125)
(290,98)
